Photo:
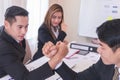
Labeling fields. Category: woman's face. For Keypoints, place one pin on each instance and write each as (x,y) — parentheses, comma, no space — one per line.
(56,18)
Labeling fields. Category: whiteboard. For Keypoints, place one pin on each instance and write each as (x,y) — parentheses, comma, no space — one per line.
(94,12)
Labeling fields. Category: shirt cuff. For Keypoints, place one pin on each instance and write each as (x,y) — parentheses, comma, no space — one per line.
(58,65)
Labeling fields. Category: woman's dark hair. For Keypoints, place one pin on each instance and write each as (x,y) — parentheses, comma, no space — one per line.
(53,9)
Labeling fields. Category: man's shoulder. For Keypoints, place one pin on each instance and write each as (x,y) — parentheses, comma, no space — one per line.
(2,42)
(4,46)
(43,28)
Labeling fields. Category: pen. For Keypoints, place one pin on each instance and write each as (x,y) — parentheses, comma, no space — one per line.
(72,54)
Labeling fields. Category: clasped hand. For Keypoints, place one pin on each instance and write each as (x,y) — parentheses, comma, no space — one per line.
(50,50)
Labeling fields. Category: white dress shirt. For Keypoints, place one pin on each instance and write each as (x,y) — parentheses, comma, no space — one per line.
(57,32)
(119,73)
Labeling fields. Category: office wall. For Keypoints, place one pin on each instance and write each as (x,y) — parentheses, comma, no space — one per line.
(6,3)
(21,3)
(71,13)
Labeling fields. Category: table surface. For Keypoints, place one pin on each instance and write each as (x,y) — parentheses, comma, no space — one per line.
(74,60)
(78,62)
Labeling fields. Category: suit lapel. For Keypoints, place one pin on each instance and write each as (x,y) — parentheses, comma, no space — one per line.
(20,51)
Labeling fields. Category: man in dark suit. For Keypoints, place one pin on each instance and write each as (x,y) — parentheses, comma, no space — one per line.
(109,49)
(12,53)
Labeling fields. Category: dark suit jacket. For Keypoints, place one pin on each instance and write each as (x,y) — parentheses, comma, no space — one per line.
(45,36)
(1,29)
(98,71)
(11,57)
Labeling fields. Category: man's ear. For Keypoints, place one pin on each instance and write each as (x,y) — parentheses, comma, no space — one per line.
(6,24)
(118,51)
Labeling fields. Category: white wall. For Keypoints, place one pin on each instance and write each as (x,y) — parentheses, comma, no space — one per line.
(6,3)
(71,14)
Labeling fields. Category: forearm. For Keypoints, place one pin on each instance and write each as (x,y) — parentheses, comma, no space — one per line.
(66,73)
(61,36)
(54,61)
(55,53)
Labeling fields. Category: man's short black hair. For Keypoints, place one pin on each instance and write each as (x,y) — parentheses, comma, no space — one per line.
(13,11)
(109,33)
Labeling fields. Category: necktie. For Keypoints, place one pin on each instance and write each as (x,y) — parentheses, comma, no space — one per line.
(55,29)
(116,74)
(20,43)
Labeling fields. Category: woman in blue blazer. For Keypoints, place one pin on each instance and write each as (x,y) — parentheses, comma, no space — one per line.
(53,29)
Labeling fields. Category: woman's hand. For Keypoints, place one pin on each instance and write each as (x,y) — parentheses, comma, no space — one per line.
(49,49)
(63,27)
